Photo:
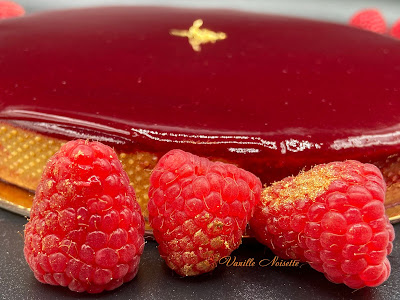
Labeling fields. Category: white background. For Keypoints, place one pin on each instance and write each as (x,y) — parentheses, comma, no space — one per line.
(331,10)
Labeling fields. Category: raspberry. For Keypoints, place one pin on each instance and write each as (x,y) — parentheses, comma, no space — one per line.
(199,209)
(332,217)
(10,9)
(395,31)
(86,228)
(369,19)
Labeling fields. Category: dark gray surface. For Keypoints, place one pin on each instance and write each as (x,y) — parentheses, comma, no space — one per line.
(156,281)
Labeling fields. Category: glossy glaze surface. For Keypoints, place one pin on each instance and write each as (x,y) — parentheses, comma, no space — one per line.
(276,95)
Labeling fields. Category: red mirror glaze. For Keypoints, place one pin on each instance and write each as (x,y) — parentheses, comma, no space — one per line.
(277,94)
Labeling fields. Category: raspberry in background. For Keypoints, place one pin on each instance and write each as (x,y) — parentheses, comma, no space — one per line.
(369,19)
(86,228)
(9,9)
(199,210)
(332,217)
(395,31)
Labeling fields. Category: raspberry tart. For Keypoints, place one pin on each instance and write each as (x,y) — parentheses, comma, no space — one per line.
(271,94)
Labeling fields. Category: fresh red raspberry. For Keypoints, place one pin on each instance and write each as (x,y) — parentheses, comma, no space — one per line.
(10,9)
(369,19)
(199,210)
(395,31)
(86,228)
(332,217)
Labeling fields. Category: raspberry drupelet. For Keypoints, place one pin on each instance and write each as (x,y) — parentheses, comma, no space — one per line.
(332,217)
(199,210)
(86,228)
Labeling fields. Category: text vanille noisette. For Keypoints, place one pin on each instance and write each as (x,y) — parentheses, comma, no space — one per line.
(230,261)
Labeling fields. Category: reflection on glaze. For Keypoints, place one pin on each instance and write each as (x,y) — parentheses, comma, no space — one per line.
(200,139)
(294,145)
(19,114)
(363,141)
(243,150)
